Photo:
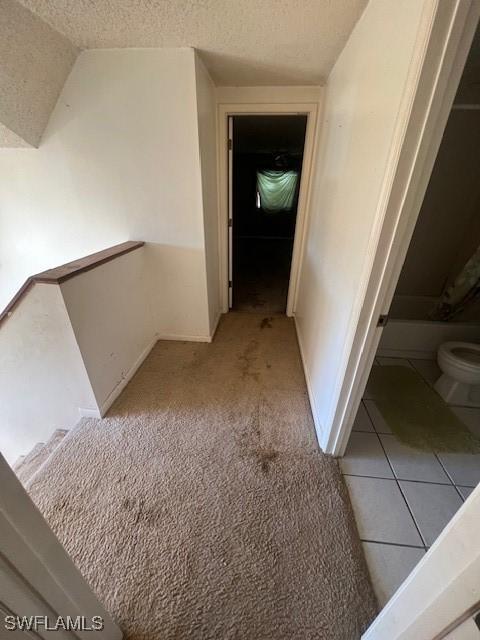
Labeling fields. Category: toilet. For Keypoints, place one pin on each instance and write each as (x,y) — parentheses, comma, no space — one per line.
(459,383)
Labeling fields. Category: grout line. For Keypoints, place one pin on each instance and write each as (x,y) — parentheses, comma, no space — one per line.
(379,433)
(401,491)
(396,544)
(357,475)
(449,476)
(369,416)
(395,478)
(439,484)
(362,431)
(463,406)
(384,433)
(429,382)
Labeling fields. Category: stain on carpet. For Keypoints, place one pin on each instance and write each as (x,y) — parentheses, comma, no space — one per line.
(200,507)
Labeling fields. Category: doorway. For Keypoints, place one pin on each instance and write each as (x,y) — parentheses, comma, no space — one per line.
(265,169)
(413,456)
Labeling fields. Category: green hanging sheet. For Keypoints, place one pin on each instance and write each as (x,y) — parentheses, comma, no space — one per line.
(276,189)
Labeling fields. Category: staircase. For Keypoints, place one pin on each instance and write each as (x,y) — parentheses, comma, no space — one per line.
(26,466)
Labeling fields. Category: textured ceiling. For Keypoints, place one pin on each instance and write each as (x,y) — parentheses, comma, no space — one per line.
(242,42)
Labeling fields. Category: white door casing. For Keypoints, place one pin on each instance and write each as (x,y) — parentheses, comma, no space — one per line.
(257,102)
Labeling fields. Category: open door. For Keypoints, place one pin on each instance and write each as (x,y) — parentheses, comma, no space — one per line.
(265,163)
(42,593)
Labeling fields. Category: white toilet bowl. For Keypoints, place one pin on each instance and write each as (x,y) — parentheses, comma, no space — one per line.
(459,383)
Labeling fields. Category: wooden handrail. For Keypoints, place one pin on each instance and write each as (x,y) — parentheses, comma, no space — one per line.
(70,270)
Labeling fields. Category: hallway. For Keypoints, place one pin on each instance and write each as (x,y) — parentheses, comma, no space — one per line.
(263,267)
(200,507)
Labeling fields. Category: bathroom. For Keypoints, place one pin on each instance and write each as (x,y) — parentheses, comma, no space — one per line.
(413,456)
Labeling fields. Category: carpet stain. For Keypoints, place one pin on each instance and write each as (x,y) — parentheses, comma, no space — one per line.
(227,522)
(247,360)
(265,457)
(266,323)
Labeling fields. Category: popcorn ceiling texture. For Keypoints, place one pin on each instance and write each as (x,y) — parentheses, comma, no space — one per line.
(200,507)
(34,63)
(242,42)
(10,139)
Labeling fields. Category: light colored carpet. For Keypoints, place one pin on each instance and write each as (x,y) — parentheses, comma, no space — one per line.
(27,465)
(201,508)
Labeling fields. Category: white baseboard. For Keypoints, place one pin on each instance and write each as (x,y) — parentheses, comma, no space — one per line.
(89,413)
(215,324)
(181,338)
(100,412)
(189,338)
(113,395)
(318,426)
(406,353)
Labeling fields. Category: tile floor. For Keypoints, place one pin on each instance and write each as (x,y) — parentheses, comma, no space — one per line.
(403,498)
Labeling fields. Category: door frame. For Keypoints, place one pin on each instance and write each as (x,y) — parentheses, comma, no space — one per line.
(443,55)
(224,110)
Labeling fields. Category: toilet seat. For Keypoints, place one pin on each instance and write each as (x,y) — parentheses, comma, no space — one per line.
(461,359)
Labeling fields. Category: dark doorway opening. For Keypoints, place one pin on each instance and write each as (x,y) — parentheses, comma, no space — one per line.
(266,174)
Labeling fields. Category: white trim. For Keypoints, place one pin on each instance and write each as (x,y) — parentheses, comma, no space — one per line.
(409,354)
(184,338)
(113,395)
(269,95)
(441,51)
(311,395)
(466,107)
(283,107)
(89,413)
(215,325)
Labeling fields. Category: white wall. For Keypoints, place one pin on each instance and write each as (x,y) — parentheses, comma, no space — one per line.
(207,136)
(363,98)
(111,316)
(69,350)
(36,60)
(119,160)
(43,381)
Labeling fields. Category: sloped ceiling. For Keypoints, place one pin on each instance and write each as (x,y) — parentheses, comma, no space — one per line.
(242,42)
(34,63)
